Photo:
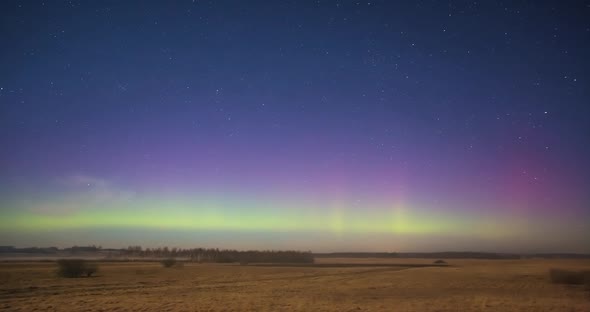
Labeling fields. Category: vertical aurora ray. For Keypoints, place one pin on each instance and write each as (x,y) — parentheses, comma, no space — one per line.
(395,218)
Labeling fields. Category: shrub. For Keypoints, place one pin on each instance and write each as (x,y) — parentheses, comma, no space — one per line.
(75,268)
(440,262)
(90,269)
(560,276)
(168,263)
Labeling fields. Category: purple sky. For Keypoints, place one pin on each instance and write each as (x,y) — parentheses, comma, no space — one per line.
(390,126)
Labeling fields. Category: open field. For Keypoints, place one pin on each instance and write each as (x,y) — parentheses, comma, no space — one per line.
(465,285)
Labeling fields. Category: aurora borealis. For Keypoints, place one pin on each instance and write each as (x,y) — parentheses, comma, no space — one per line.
(321,125)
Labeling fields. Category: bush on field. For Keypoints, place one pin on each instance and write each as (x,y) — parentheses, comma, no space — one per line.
(168,263)
(560,276)
(75,268)
(440,262)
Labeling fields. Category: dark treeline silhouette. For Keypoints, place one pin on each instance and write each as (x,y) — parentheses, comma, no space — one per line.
(358,255)
(270,256)
(448,255)
(28,250)
(48,250)
(202,255)
(427,255)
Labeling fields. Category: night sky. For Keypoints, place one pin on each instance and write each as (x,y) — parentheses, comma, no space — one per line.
(313,125)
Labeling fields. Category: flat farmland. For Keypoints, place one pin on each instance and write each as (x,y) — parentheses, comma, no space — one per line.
(335,284)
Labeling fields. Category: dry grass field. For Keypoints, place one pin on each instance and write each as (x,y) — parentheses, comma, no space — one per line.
(465,285)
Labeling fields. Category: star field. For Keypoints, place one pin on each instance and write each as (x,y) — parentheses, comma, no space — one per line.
(323,125)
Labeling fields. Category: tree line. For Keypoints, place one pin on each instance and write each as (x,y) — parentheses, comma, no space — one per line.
(204,255)
(201,255)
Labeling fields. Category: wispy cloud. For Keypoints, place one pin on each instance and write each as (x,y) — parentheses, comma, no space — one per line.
(80,192)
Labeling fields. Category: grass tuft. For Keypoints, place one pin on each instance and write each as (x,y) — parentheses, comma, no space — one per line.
(168,263)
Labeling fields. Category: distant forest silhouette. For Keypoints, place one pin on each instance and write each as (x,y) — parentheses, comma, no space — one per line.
(215,255)
(200,255)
